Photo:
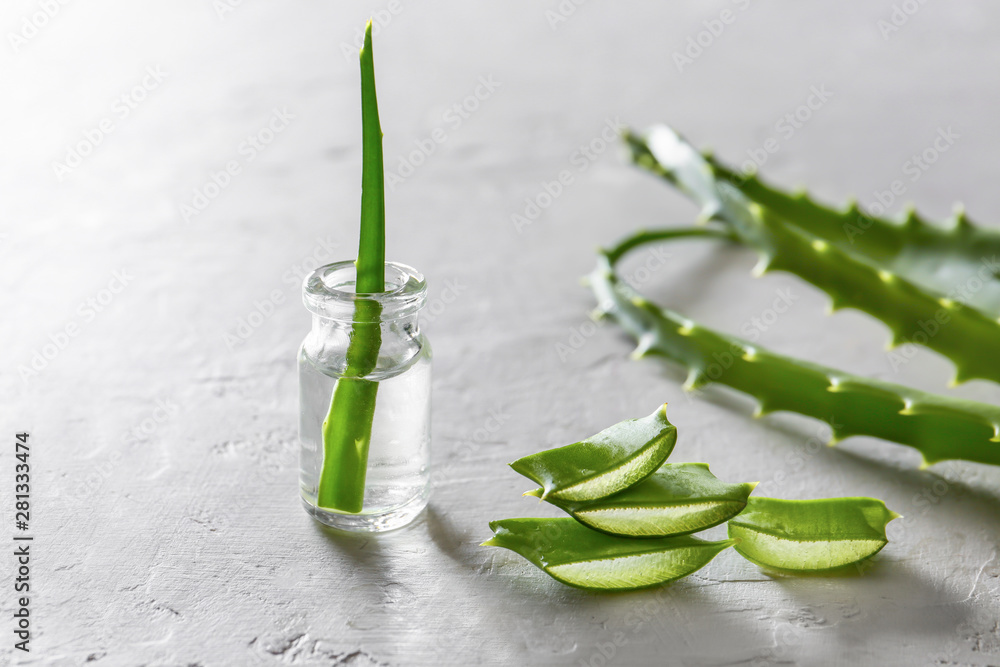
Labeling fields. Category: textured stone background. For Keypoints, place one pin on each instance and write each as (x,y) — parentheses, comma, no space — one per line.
(168,529)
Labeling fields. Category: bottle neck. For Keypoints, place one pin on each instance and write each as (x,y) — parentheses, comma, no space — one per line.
(350,326)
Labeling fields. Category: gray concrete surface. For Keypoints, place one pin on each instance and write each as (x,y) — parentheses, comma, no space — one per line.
(165,513)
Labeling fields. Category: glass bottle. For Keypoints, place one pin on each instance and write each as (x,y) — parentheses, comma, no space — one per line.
(397,482)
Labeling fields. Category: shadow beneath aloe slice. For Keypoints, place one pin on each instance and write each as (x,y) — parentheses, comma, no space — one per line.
(887,598)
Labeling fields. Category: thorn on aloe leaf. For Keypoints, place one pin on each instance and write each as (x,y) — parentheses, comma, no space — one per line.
(962,222)
(695,380)
(912,218)
(949,303)
(895,340)
(961,377)
(646,343)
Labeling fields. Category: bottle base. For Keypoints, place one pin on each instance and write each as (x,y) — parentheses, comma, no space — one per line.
(392,519)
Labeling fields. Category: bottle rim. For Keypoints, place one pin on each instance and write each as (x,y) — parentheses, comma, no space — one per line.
(329,291)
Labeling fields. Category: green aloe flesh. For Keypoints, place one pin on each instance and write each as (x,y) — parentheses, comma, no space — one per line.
(678,499)
(810,535)
(578,556)
(940,427)
(347,428)
(933,286)
(603,464)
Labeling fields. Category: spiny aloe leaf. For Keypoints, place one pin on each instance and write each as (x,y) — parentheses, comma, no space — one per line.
(603,464)
(677,499)
(925,309)
(810,535)
(584,558)
(940,427)
(940,258)
(348,426)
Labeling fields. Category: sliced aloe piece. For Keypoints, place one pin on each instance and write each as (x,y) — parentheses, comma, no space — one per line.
(810,535)
(603,464)
(677,499)
(575,555)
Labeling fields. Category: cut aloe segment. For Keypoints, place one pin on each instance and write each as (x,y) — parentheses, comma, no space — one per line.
(677,499)
(575,555)
(810,535)
(603,464)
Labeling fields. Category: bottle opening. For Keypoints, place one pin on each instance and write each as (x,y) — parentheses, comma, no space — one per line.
(329,291)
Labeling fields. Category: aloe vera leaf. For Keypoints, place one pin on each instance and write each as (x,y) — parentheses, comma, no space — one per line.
(347,427)
(677,499)
(939,427)
(912,309)
(578,556)
(935,256)
(603,464)
(371,253)
(810,535)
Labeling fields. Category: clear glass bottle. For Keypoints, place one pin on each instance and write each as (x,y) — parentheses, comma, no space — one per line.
(397,483)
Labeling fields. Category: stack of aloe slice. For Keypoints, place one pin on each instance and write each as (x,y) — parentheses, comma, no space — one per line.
(631,515)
